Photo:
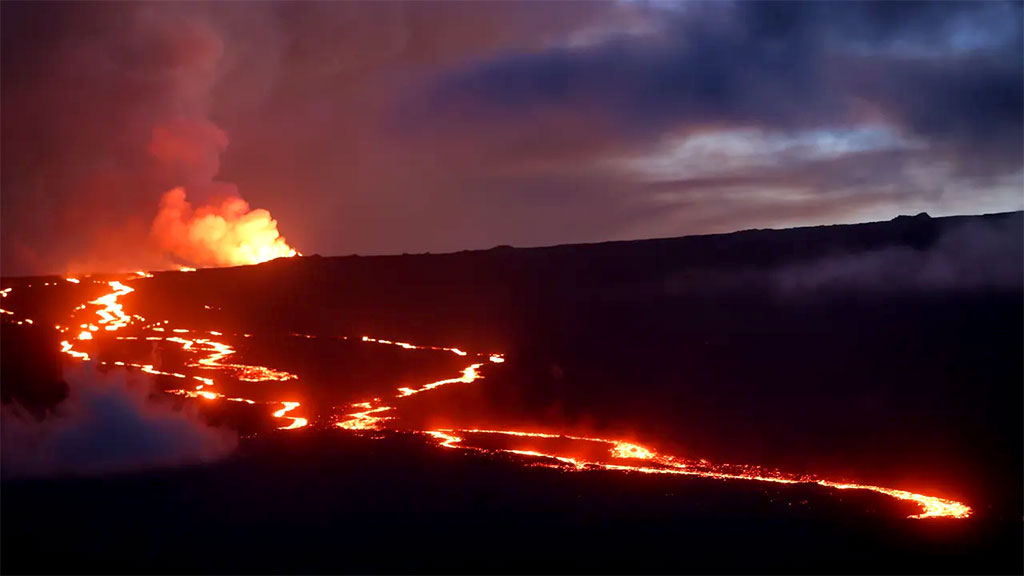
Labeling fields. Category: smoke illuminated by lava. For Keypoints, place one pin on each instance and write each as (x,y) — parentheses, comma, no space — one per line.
(226,235)
(223,233)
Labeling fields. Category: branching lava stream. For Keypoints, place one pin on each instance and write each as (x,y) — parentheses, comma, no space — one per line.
(208,352)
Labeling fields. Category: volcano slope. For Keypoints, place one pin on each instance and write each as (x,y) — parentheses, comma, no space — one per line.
(887,354)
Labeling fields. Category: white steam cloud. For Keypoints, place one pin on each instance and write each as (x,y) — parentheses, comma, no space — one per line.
(970,256)
(108,423)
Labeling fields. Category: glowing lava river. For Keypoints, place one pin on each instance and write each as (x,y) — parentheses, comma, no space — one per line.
(208,360)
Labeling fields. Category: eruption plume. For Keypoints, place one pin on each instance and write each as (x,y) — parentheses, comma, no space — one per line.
(226,235)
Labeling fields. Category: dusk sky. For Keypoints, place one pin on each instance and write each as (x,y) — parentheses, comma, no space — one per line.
(377,128)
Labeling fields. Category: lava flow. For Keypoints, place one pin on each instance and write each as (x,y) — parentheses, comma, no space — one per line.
(210,353)
(931,506)
(207,352)
(618,450)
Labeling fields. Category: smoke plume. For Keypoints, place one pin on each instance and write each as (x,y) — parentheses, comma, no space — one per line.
(228,234)
(969,256)
(108,423)
(224,233)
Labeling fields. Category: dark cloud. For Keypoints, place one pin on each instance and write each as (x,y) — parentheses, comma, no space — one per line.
(108,423)
(698,75)
(945,79)
(971,110)
(772,65)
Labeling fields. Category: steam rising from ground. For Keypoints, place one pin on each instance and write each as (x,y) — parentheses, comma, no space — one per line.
(970,256)
(228,234)
(108,423)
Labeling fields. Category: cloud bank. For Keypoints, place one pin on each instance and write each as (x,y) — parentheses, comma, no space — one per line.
(971,256)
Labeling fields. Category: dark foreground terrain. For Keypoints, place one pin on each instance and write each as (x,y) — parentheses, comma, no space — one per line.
(889,353)
(330,502)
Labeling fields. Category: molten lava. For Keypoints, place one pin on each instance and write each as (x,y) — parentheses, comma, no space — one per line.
(931,506)
(468,375)
(367,419)
(207,353)
(296,422)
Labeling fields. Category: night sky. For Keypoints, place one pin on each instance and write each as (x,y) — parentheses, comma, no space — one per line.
(382,127)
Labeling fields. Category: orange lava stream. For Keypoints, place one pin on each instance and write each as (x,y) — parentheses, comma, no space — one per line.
(408,346)
(622,455)
(366,420)
(112,313)
(220,350)
(112,317)
(468,375)
(619,450)
(296,422)
(931,506)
